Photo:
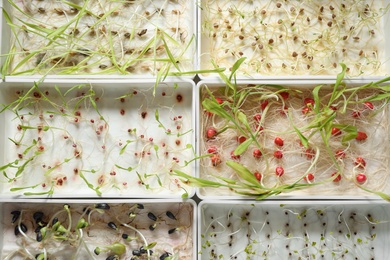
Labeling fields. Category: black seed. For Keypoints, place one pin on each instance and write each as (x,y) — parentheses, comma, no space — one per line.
(102,206)
(136,252)
(37,229)
(39,236)
(15,215)
(140,206)
(38,216)
(125,236)
(86,210)
(170,215)
(152,227)
(112,257)
(22,227)
(112,225)
(152,216)
(55,220)
(144,251)
(165,255)
(172,230)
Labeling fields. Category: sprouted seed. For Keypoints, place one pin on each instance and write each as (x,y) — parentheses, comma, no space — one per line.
(92,230)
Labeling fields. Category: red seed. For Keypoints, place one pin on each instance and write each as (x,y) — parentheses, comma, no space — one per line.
(257,153)
(258,175)
(279,141)
(211,132)
(340,154)
(92,121)
(257,117)
(360,162)
(212,149)
(234,156)
(241,139)
(368,105)
(264,104)
(219,100)
(310,153)
(179,98)
(309,177)
(77,113)
(163,94)
(361,136)
(122,100)
(309,102)
(216,160)
(334,108)
(122,112)
(361,178)
(338,178)
(278,154)
(279,171)
(306,110)
(355,114)
(144,114)
(284,95)
(177,142)
(336,131)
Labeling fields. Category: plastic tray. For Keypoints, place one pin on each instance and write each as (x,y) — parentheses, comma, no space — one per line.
(279,117)
(283,40)
(293,230)
(97,138)
(107,40)
(171,224)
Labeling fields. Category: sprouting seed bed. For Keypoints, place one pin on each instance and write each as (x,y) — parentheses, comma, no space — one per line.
(294,37)
(97,231)
(146,37)
(96,139)
(293,231)
(264,140)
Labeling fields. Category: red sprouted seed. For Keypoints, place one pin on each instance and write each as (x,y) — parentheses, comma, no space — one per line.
(284,110)
(103,147)
(219,100)
(20,156)
(163,145)
(101,180)
(51,116)
(97,99)
(336,131)
(257,117)
(97,132)
(257,153)
(279,171)
(179,98)
(368,105)
(122,100)
(178,127)
(21,117)
(361,178)
(74,145)
(122,112)
(163,94)
(43,185)
(113,173)
(142,136)
(175,118)
(64,178)
(355,114)
(278,154)
(75,171)
(37,95)
(264,104)
(180,117)
(150,139)
(234,156)
(309,177)
(309,102)
(129,130)
(124,183)
(334,108)
(306,110)
(144,114)
(77,113)
(241,139)
(66,137)
(361,136)
(212,149)
(19,127)
(76,120)
(177,142)
(279,141)
(41,148)
(338,178)
(92,121)
(310,153)
(216,160)
(169,131)
(284,95)
(259,128)
(135,92)
(340,154)
(210,133)
(360,162)
(258,175)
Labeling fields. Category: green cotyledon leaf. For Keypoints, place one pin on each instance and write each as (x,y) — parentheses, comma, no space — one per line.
(243,172)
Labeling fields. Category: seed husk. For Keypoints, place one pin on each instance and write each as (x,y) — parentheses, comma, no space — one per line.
(152,216)
(102,206)
(164,256)
(112,257)
(172,230)
(22,227)
(112,225)
(170,215)
(15,215)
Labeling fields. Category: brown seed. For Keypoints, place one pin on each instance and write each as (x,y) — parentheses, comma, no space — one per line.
(294,54)
(329,24)
(270,41)
(278,5)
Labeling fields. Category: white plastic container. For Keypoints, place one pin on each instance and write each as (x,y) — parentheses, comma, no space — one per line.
(109,138)
(286,229)
(283,40)
(126,39)
(133,224)
(363,163)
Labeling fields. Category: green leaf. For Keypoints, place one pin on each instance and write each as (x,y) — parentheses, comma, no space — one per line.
(215,108)
(197,182)
(236,66)
(243,146)
(150,246)
(243,172)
